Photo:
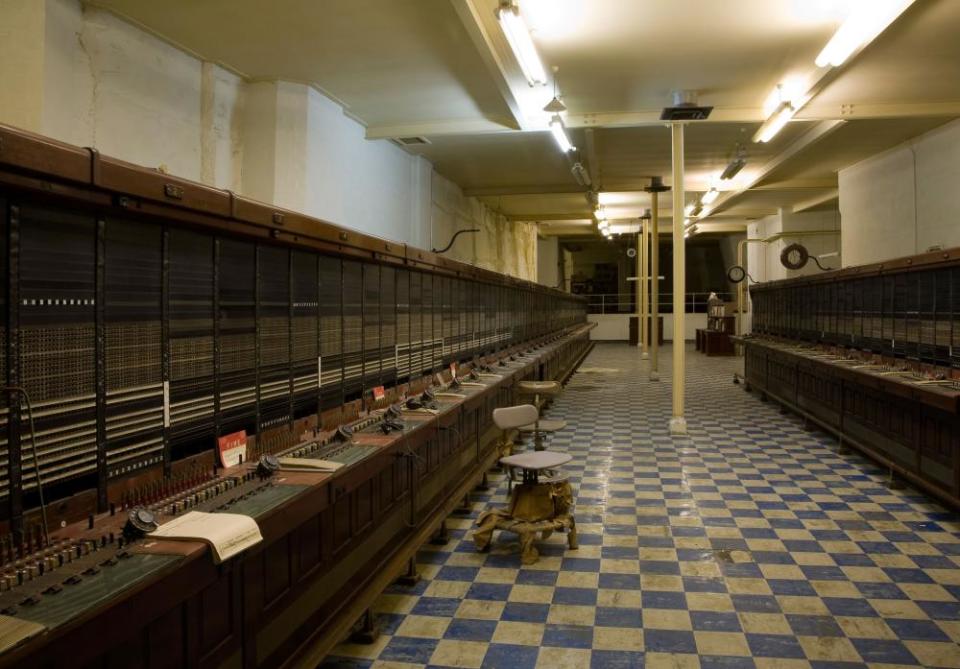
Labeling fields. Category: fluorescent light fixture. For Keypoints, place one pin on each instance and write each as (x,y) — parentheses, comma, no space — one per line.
(580,174)
(689,208)
(867,20)
(710,196)
(734,166)
(518,36)
(560,133)
(774,124)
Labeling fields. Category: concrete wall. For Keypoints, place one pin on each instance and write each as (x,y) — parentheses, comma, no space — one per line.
(21,62)
(82,75)
(903,201)
(501,245)
(549,261)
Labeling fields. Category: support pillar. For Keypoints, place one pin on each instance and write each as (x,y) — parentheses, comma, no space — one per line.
(655,188)
(642,240)
(678,423)
(655,290)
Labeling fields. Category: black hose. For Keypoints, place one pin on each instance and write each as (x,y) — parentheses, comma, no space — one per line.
(817,260)
(453,239)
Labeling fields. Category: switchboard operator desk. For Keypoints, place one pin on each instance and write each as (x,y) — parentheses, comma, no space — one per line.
(146,316)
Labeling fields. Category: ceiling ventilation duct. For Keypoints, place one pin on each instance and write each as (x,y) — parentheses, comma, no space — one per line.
(685,108)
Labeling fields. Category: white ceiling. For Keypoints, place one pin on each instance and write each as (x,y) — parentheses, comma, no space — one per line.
(441,69)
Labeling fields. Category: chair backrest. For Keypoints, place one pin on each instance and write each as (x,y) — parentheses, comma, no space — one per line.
(508,418)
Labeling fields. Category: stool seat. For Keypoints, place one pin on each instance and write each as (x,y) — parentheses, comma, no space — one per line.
(537,460)
(544,426)
(540,387)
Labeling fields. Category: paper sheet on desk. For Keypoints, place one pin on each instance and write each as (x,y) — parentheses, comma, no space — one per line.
(432,412)
(309,464)
(227,534)
(456,396)
(14,631)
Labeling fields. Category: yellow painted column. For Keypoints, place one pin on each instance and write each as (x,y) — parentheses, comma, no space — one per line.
(655,288)
(678,423)
(643,238)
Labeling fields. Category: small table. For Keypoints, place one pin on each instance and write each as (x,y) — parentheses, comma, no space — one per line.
(532,463)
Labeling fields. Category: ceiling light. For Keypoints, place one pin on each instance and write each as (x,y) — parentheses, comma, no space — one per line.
(735,165)
(689,209)
(710,196)
(774,124)
(868,20)
(581,174)
(518,36)
(560,133)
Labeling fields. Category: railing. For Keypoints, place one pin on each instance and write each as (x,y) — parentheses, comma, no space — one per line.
(623,303)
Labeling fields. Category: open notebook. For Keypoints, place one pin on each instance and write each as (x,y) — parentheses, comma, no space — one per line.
(227,534)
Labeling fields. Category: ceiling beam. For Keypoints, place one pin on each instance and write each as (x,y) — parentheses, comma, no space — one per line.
(797,184)
(470,17)
(533,218)
(852,110)
(824,198)
(493,191)
(441,128)
(812,112)
(815,134)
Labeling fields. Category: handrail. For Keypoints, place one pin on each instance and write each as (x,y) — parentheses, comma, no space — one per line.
(624,303)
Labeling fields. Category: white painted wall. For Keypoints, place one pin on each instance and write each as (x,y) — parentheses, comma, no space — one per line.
(372,186)
(80,74)
(548,261)
(902,201)
(21,63)
(501,245)
(616,327)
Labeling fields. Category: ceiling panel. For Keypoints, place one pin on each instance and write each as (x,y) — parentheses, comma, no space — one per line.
(390,61)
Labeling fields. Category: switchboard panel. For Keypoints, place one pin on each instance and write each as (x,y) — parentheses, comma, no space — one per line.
(331,332)
(133,343)
(57,343)
(237,321)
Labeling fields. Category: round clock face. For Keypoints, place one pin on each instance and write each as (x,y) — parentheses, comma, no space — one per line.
(736,274)
(631,253)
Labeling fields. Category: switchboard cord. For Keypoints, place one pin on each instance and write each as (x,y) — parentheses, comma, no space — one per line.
(36,459)
(817,260)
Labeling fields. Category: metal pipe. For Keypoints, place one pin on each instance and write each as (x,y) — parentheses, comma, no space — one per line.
(643,285)
(740,245)
(678,424)
(655,286)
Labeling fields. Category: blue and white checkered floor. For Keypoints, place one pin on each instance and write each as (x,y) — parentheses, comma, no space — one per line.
(749,543)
